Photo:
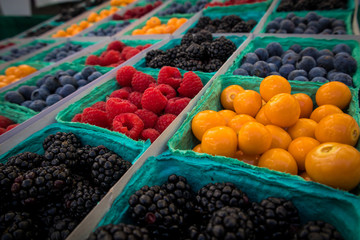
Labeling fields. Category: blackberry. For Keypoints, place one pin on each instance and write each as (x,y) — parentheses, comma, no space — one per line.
(202,36)
(126,231)
(159,61)
(152,54)
(318,230)
(213,65)
(210,28)
(61,154)
(251,23)
(87,154)
(196,232)
(215,22)
(61,137)
(222,31)
(176,52)
(274,218)
(25,161)
(50,212)
(221,48)
(192,65)
(17,225)
(230,223)
(194,30)
(39,184)
(214,196)
(62,228)
(203,22)
(225,27)
(107,169)
(82,199)
(231,20)
(195,51)
(7,176)
(187,39)
(241,27)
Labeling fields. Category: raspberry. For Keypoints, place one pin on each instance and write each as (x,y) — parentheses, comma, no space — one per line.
(121,93)
(146,46)
(129,124)
(190,85)
(110,57)
(176,105)
(166,90)
(2,130)
(4,122)
(141,81)
(170,76)
(95,117)
(135,98)
(116,45)
(125,51)
(140,48)
(164,121)
(149,133)
(100,105)
(149,118)
(116,106)
(77,118)
(117,17)
(128,89)
(92,60)
(153,100)
(131,53)
(12,126)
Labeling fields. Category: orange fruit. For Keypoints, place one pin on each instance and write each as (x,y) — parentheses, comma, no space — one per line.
(205,120)
(228,94)
(197,148)
(249,159)
(153,22)
(323,111)
(247,102)
(334,164)
(280,138)
(280,160)
(254,138)
(300,147)
(219,141)
(92,16)
(169,29)
(305,176)
(261,117)
(335,93)
(2,77)
(84,24)
(283,110)
(151,31)
(306,104)
(227,115)
(273,85)
(339,127)
(10,71)
(2,84)
(238,121)
(172,21)
(304,127)
(19,73)
(27,69)
(138,32)
(104,13)
(180,22)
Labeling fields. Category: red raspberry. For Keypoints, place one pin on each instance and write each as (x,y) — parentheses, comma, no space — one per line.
(12,126)
(176,105)
(110,57)
(77,118)
(131,53)
(2,130)
(4,122)
(100,105)
(140,48)
(121,93)
(92,60)
(190,85)
(166,90)
(95,117)
(116,106)
(157,3)
(128,89)
(149,133)
(164,121)
(146,46)
(124,75)
(125,51)
(117,17)
(153,85)
(135,98)
(153,100)
(129,124)
(141,81)
(149,118)
(170,76)
(116,45)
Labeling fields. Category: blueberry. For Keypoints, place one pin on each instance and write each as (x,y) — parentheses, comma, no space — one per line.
(275,60)
(344,78)
(314,24)
(325,52)
(273,67)
(274,49)
(53,98)
(341,48)
(286,69)
(240,71)
(339,32)
(290,15)
(281,31)
(295,20)
(324,22)
(301,78)
(39,94)
(262,54)
(272,30)
(310,51)
(338,23)
(82,82)
(306,63)
(14,97)
(41,81)
(60,73)
(93,76)
(52,83)
(71,72)
(290,58)
(78,76)
(317,72)
(248,67)
(38,105)
(67,90)
(250,58)
(87,71)
(326,62)
(345,64)
(298,30)
(67,80)
(297,73)
(311,16)
(287,25)
(326,31)
(26,91)
(302,26)
(330,75)
(296,48)
(26,103)
(319,79)
(278,19)
(272,25)
(261,69)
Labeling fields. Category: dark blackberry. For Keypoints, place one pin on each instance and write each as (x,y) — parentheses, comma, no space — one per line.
(202,36)
(230,223)
(107,169)
(180,62)
(222,31)
(126,231)
(215,22)
(7,176)
(231,20)
(39,184)
(196,232)
(251,23)
(62,228)
(213,65)
(176,52)
(152,54)
(17,225)
(225,27)
(193,65)
(214,196)
(87,154)
(194,30)
(221,48)
(196,51)
(318,230)
(274,218)
(187,39)
(203,22)
(82,199)
(61,154)
(210,28)
(25,161)
(159,61)
(241,27)
(48,213)
(61,137)
(302,5)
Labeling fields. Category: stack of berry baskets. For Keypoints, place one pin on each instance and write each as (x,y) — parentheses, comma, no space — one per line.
(94,162)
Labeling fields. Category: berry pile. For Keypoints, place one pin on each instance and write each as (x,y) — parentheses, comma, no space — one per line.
(155,26)
(115,54)
(137,12)
(143,108)
(108,31)
(306,5)
(232,2)
(308,64)
(47,196)
(312,23)
(197,52)
(62,52)
(51,88)
(9,44)
(6,124)
(187,7)
(19,52)
(67,14)
(39,31)
(13,74)
(226,24)
(217,211)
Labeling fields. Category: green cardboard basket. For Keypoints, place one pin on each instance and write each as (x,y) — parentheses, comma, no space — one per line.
(109,23)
